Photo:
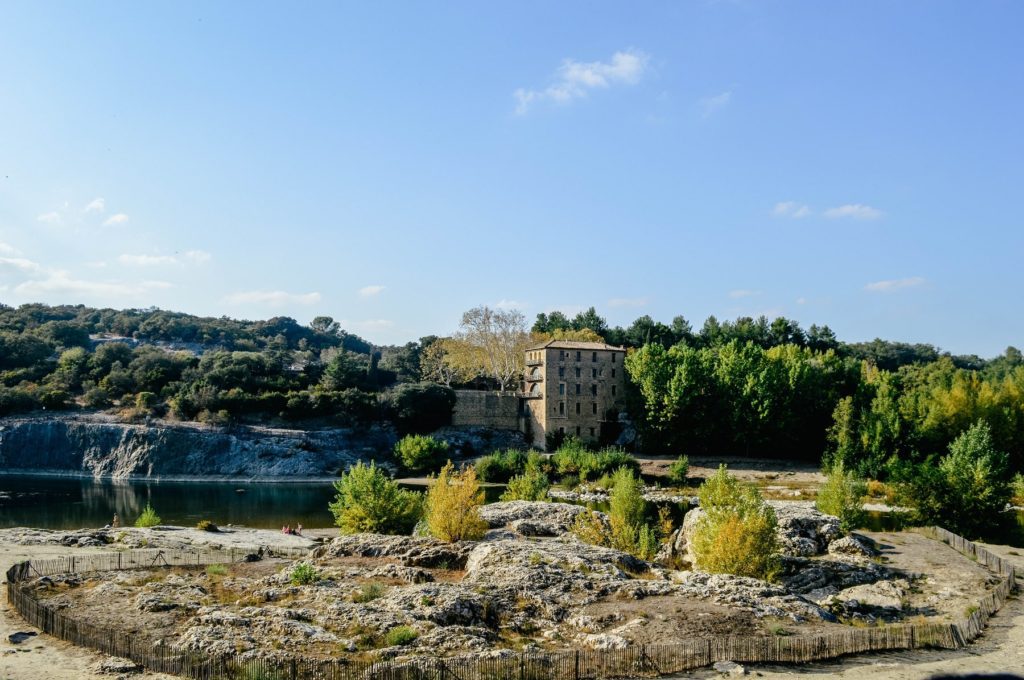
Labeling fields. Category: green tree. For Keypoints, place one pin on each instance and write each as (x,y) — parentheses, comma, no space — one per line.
(368,501)
(420,453)
(842,496)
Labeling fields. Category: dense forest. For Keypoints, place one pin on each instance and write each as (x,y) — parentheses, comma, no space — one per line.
(748,387)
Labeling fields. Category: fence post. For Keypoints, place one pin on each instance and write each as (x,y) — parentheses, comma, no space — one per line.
(576,666)
(295,669)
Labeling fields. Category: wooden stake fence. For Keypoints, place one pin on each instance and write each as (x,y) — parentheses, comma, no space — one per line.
(582,664)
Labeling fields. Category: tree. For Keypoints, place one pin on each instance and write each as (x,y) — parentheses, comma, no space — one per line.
(627,528)
(453,505)
(419,453)
(420,407)
(368,501)
(325,325)
(450,361)
(842,496)
(500,336)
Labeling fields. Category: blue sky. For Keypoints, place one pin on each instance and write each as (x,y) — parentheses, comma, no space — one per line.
(857,164)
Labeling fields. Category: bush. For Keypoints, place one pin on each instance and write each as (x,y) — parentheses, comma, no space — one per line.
(842,496)
(627,528)
(532,485)
(368,592)
(216,570)
(401,635)
(737,533)
(206,525)
(420,453)
(679,470)
(965,490)
(303,574)
(453,506)
(572,458)
(500,466)
(148,518)
(420,407)
(1017,489)
(367,500)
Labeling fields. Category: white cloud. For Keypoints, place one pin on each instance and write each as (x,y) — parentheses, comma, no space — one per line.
(742,293)
(119,218)
(574,79)
(52,217)
(7,249)
(272,298)
(855,211)
(60,282)
(791,209)
(95,205)
(628,302)
(509,304)
(19,264)
(195,257)
(710,105)
(801,301)
(894,284)
(370,291)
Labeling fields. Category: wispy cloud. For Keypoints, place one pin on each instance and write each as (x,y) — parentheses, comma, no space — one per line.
(62,283)
(119,218)
(272,298)
(370,291)
(854,211)
(711,105)
(95,205)
(19,265)
(8,249)
(791,209)
(509,304)
(895,284)
(801,301)
(574,79)
(628,302)
(52,217)
(742,293)
(195,257)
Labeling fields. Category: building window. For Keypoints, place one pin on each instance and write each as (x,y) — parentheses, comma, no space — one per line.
(613,390)
(561,389)
(613,357)
(561,408)
(577,388)
(595,407)
(613,370)
(578,355)
(593,390)
(593,357)
(577,430)
(561,371)
(593,373)
(591,432)
(577,408)
(561,430)
(577,371)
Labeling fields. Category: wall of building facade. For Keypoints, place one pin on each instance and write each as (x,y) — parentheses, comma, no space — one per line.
(479,408)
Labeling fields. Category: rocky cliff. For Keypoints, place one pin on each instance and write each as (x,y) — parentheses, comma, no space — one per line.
(104,448)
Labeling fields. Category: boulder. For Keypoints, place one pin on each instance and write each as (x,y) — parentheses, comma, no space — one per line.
(853,545)
(729,668)
(532,518)
(410,551)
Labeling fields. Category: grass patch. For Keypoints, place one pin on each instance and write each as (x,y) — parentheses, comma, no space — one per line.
(400,636)
(216,570)
(303,574)
(368,592)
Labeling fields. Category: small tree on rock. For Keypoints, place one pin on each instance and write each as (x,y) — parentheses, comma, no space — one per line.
(453,505)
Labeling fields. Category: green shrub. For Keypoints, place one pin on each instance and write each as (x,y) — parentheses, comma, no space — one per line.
(216,570)
(303,574)
(736,535)
(206,525)
(453,506)
(532,485)
(679,470)
(420,407)
(148,518)
(367,500)
(842,495)
(627,529)
(1017,489)
(401,635)
(501,466)
(421,453)
(572,458)
(368,592)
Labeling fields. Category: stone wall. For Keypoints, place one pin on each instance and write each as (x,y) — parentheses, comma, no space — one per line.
(479,408)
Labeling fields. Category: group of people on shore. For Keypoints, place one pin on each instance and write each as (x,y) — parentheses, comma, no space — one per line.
(287,529)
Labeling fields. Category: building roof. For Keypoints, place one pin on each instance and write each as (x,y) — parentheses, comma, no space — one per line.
(576,344)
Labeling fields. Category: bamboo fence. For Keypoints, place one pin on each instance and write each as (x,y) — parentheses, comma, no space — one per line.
(635,661)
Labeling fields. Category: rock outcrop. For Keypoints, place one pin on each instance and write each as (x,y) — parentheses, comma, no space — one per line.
(529,518)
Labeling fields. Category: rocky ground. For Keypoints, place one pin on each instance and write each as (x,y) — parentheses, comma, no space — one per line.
(527,585)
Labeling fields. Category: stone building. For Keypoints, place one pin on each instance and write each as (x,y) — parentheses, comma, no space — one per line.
(575,388)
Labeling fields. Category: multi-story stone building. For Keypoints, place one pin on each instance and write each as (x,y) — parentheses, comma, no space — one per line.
(575,388)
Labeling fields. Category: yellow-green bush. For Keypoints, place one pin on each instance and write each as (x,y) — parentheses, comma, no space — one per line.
(842,495)
(627,528)
(453,505)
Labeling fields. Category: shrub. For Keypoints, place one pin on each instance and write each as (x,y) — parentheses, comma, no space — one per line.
(572,458)
(737,533)
(841,495)
(420,407)
(532,485)
(1017,489)
(627,528)
(216,570)
(679,470)
(501,466)
(421,453)
(401,635)
(453,505)
(148,518)
(368,592)
(367,500)
(964,491)
(206,525)
(303,574)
